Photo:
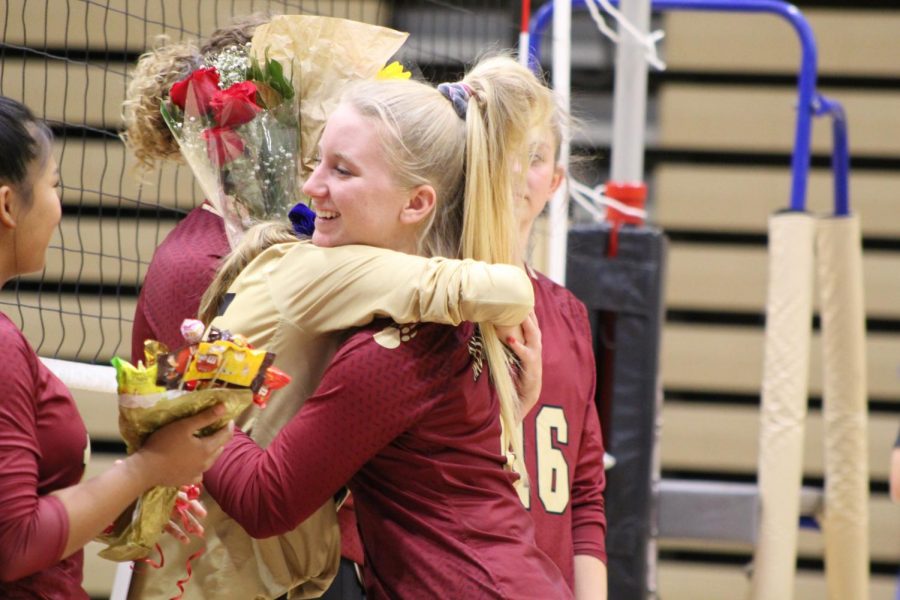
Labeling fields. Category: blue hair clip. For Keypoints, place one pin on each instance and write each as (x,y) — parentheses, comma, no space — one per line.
(303,220)
(458,94)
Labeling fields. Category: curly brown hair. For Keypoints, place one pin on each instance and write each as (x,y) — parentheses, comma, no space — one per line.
(146,132)
(237,33)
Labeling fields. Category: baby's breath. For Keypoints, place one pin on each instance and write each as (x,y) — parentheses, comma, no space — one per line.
(231,63)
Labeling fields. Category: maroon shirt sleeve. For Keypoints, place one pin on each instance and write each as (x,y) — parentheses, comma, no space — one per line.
(588,508)
(33,528)
(368,396)
(183,266)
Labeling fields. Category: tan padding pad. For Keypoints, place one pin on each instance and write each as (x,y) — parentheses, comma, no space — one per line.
(846,522)
(784,399)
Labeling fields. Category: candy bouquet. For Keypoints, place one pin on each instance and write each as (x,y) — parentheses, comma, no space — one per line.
(172,385)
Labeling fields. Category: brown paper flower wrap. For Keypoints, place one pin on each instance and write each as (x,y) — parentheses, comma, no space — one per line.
(320,56)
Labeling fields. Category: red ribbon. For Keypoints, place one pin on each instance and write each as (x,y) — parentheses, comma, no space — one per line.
(151,562)
(187,567)
(181,506)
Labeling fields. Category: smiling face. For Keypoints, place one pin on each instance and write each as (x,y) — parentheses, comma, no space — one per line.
(355,196)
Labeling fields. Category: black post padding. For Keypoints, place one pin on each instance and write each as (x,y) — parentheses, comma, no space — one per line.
(627,288)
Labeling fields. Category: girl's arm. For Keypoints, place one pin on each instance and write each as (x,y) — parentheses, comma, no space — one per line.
(38,530)
(368,396)
(590,578)
(588,507)
(172,455)
(332,289)
(588,512)
(32,527)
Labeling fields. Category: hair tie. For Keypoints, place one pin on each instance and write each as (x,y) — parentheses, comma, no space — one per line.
(303,220)
(458,94)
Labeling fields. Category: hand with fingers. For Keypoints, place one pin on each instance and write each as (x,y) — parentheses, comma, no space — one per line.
(174,456)
(186,515)
(525,342)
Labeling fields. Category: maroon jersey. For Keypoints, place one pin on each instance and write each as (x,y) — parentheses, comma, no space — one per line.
(562,439)
(43,445)
(400,415)
(182,268)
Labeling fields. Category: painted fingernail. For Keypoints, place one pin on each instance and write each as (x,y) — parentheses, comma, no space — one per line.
(510,340)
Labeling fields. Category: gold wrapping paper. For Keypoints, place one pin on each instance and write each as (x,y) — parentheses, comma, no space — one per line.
(135,534)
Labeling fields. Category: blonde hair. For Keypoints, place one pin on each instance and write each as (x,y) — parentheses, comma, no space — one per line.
(507,101)
(255,241)
(556,122)
(425,146)
(424,142)
(472,163)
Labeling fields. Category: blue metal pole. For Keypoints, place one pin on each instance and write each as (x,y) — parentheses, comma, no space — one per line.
(807,79)
(840,157)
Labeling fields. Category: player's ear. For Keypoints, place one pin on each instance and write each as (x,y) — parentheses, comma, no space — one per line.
(419,205)
(559,173)
(8,197)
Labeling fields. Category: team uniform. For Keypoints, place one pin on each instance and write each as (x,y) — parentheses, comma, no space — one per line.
(43,448)
(562,440)
(401,416)
(183,266)
(294,300)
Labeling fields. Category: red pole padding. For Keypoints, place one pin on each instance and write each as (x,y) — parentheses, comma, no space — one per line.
(632,194)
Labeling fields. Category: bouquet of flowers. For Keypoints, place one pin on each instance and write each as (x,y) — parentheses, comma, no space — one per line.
(224,369)
(236,122)
(321,55)
(249,120)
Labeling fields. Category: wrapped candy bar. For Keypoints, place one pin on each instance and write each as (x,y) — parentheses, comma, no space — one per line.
(175,385)
(274,379)
(229,362)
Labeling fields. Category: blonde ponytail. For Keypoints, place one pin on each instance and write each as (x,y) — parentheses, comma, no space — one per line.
(506,101)
(253,243)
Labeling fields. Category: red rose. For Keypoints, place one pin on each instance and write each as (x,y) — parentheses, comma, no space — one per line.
(236,105)
(201,85)
(223,145)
